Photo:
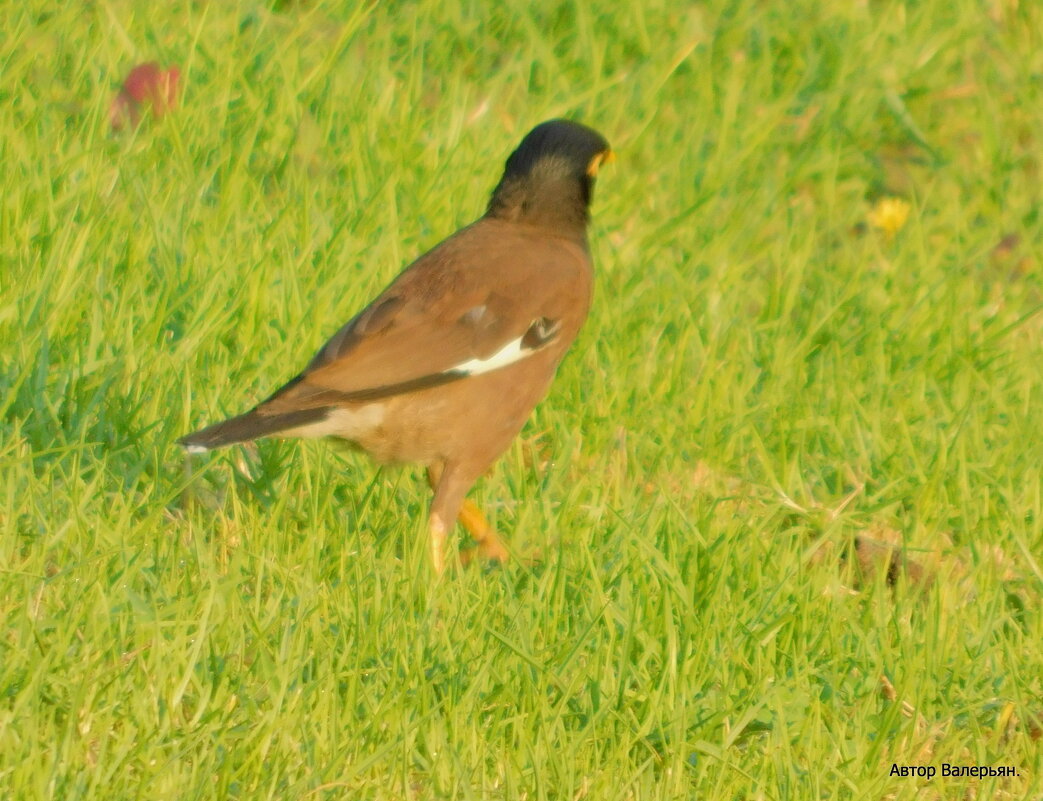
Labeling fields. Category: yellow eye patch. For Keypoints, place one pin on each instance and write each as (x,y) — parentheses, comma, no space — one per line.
(604,157)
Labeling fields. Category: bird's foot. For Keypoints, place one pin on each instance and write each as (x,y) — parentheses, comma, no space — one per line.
(488,546)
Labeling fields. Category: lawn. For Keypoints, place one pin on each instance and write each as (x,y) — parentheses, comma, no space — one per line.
(779,521)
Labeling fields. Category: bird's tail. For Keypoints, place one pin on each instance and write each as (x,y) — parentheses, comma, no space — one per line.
(246,427)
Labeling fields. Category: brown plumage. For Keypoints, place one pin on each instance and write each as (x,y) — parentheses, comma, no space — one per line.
(444,367)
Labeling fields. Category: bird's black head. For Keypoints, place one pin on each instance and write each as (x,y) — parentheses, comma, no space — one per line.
(576,149)
(549,179)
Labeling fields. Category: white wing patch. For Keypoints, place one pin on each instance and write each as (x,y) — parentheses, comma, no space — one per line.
(509,354)
(538,334)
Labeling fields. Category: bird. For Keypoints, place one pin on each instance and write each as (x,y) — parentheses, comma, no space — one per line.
(445,365)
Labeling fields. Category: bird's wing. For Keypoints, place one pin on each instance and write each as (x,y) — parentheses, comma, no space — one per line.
(487,297)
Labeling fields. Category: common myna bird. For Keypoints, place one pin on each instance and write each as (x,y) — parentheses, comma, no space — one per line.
(445,366)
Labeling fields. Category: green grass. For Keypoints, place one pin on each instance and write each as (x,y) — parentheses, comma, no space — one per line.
(766,382)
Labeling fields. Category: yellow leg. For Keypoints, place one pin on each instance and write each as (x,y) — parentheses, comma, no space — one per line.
(489,546)
(437,531)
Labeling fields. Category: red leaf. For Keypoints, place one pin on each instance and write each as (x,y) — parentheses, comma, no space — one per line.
(146,86)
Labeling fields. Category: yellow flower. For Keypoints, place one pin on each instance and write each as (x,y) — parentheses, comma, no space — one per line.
(889,215)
